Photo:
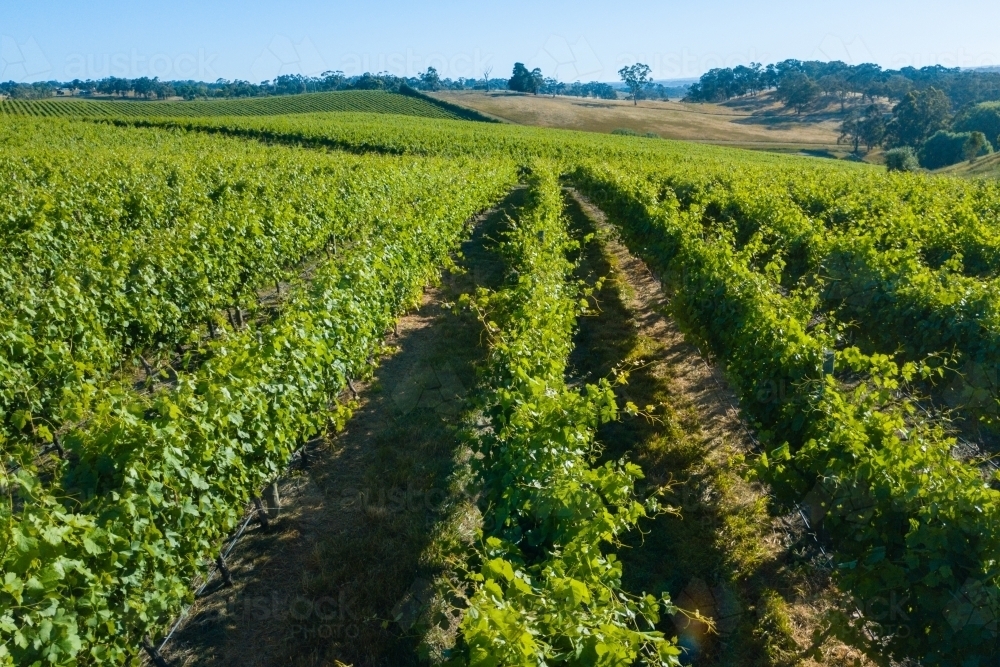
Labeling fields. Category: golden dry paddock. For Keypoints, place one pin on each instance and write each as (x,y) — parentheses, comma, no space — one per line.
(760,123)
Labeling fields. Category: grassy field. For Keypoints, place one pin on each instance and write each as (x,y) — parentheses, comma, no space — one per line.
(986,167)
(753,124)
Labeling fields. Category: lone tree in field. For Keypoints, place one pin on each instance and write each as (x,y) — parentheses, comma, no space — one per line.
(636,77)
(486,77)
(975,145)
(524,81)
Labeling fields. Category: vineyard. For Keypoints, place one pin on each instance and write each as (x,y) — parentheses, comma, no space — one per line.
(188,298)
(368,101)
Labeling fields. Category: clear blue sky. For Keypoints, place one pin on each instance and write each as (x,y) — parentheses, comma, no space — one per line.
(586,39)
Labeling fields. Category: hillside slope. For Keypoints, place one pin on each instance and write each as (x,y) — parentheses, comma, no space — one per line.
(372,101)
(986,167)
(765,126)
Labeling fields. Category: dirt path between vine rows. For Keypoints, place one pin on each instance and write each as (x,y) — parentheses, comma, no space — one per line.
(759,577)
(334,579)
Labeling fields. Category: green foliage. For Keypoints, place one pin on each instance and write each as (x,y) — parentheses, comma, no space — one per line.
(430,80)
(636,77)
(918,116)
(547,592)
(983,118)
(119,243)
(774,629)
(523,81)
(976,146)
(866,128)
(626,132)
(106,548)
(902,159)
(830,293)
(948,148)
(798,91)
(457,112)
(904,514)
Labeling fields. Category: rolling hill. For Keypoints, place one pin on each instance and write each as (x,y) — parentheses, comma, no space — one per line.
(370,101)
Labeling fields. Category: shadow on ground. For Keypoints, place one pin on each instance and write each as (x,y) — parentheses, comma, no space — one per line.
(325,584)
(722,553)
